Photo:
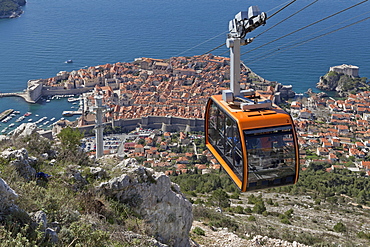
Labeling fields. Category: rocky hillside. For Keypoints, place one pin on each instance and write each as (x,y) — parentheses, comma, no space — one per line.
(11,8)
(51,194)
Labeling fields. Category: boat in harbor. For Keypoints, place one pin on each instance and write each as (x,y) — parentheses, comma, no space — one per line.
(71,113)
(73,99)
(27,114)
(69,61)
(21,118)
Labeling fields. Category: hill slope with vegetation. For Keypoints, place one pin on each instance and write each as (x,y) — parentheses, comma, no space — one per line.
(53,194)
(322,209)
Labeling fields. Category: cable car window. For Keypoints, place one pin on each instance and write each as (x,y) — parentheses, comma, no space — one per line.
(213,133)
(224,136)
(271,157)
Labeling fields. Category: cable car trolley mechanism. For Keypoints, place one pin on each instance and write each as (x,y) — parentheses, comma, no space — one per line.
(253,140)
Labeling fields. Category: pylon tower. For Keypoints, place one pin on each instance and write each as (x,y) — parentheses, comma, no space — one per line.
(99,126)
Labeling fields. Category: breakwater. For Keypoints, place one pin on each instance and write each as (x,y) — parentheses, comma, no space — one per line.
(22,95)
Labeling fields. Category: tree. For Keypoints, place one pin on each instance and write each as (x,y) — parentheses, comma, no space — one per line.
(141,142)
(220,198)
(259,207)
(70,140)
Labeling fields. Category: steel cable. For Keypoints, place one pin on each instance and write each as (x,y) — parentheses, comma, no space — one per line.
(325,18)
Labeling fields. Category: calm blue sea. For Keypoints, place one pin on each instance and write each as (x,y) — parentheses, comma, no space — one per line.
(92,32)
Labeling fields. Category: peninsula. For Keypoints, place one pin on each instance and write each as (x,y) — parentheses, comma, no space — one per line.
(149,88)
(11,8)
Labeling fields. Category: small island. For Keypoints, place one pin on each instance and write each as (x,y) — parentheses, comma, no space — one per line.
(11,8)
(344,80)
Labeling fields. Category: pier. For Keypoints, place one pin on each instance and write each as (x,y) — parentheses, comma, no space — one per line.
(71,113)
(5,113)
(25,96)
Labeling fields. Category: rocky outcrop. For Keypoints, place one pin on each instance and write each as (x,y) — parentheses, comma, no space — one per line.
(11,8)
(23,130)
(7,197)
(341,83)
(40,218)
(328,82)
(21,161)
(156,199)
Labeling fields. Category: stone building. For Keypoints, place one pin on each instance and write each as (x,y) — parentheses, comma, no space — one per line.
(350,70)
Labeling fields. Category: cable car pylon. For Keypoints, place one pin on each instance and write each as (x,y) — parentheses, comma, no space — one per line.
(253,140)
(243,23)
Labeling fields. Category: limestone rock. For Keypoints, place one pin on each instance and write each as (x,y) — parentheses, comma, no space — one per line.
(51,235)
(21,161)
(159,201)
(4,138)
(40,219)
(25,129)
(131,162)
(98,172)
(7,197)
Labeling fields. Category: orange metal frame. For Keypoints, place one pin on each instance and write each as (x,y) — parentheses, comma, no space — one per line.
(262,118)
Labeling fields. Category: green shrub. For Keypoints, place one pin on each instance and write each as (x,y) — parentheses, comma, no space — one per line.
(289,213)
(259,207)
(238,209)
(339,227)
(363,235)
(199,231)
(251,218)
(248,210)
(270,202)
(285,221)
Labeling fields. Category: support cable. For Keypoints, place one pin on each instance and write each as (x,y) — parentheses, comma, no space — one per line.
(286,18)
(226,32)
(275,50)
(214,49)
(306,41)
(300,29)
(281,9)
(203,43)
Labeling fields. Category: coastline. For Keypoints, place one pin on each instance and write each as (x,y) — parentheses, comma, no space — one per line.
(12,9)
(14,14)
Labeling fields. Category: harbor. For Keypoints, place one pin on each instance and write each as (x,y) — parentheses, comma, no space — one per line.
(10,119)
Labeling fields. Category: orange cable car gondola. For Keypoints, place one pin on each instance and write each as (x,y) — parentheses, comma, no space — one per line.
(253,140)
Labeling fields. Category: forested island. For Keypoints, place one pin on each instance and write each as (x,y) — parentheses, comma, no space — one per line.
(11,8)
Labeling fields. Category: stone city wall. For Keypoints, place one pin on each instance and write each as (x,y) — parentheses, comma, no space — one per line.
(170,124)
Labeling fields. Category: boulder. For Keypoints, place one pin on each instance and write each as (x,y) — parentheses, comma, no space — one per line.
(7,197)
(98,172)
(25,129)
(4,138)
(21,161)
(41,220)
(51,235)
(159,201)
